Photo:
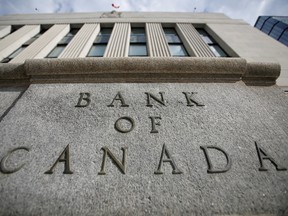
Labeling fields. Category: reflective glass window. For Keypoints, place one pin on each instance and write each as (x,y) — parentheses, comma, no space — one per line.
(62,44)
(138,35)
(65,40)
(175,44)
(177,50)
(205,36)
(278,30)
(261,20)
(284,38)
(138,42)
(31,40)
(138,38)
(213,45)
(73,32)
(97,50)
(102,39)
(269,24)
(171,35)
(56,52)
(218,52)
(137,50)
(100,43)
(103,36)
(13,55)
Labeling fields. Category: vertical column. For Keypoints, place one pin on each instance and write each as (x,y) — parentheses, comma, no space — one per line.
(119,42)
(81,43)
(157,45)
(41,47)
(13,41)
(193,41)
(4,30)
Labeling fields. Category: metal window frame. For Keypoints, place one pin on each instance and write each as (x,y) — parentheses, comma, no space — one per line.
(138,43)
(100,43)
(175,43)
(214,42)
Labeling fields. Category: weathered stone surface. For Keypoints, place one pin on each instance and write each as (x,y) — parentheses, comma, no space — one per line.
(121,70)
(234,117)
(261,73)
(8,96)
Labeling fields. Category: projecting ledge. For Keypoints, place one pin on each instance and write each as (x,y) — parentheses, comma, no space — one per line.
(11,74)
(261,73)
(136,70)
(147,69)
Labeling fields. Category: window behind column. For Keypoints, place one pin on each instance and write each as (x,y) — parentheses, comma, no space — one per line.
(138,42)
(213,45)
(24,46)
(63,43)
(100,43)
(176,46)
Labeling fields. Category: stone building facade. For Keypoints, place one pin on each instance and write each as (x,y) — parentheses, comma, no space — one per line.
(126,113)
(148,35)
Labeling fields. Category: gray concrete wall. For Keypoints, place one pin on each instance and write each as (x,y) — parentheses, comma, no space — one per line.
(225,150)
(46,119)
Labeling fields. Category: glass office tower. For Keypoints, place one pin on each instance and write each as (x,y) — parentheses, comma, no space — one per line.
(274,26)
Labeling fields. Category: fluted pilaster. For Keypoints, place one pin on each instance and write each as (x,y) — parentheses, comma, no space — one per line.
(193,42)
(15,40)
(157,45)
(82,41)
(41,47)
(119,42)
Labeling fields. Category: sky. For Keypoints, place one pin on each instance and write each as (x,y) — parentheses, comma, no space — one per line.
(247,10)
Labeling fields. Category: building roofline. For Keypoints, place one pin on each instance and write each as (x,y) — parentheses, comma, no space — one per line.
(114,16)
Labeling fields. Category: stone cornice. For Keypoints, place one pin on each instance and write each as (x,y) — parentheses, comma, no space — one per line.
(145,70)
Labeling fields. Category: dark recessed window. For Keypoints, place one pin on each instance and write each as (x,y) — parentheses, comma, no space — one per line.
(214,46)
(176,46)
(138,42)
(100,43)
(62,44)
(56,51)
